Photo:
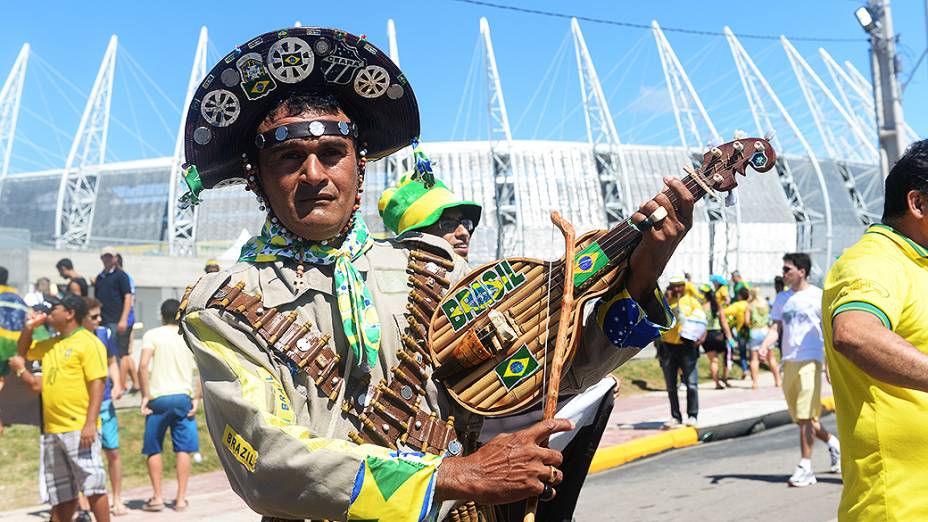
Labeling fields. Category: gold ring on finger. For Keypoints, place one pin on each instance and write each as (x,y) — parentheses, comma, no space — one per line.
(553,478)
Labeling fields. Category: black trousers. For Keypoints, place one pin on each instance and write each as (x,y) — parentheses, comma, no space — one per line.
(676,357)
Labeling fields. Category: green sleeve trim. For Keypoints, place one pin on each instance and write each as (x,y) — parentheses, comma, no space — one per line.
(863,307)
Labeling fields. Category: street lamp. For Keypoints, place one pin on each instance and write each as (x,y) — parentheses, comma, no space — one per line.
(865,18)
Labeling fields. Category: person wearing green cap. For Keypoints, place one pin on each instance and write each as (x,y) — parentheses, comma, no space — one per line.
(435,210)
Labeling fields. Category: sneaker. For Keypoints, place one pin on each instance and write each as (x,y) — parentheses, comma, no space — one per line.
(801,478)
(691,422)
(835,454)
(672,424)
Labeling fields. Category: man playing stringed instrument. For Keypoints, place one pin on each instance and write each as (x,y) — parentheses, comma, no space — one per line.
(312,348)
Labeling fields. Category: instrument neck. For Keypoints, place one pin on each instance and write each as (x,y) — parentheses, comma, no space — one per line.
(615,242)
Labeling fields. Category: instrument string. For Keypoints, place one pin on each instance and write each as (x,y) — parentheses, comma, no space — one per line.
(616,241)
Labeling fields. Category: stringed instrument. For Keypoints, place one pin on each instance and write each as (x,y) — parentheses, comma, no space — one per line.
(492,336)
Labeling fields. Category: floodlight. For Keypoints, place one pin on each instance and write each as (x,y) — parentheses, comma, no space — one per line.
(865,18)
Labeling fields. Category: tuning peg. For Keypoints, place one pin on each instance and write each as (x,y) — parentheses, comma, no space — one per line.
(731,199)
(738,146)
(717,152)
(759,146)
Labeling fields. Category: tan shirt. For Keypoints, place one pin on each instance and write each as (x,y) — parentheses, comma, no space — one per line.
(172,364)
(297,463)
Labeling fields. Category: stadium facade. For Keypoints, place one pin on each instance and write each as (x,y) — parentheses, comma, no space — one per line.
(810,203)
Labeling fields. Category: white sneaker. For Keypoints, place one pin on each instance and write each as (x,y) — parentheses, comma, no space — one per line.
(672,424)
(691,422)
(801,478)
(835,454)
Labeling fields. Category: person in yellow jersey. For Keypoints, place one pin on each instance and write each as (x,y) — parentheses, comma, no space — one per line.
(73,375)
(721,289)
(691,289)
(737,315)
(875,312)
(679,350)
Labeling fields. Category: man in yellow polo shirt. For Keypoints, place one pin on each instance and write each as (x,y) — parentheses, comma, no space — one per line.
(875,317)
(73,374)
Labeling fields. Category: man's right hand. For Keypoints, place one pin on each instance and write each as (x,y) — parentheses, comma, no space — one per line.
(36,319)
(146,411)
(509,468)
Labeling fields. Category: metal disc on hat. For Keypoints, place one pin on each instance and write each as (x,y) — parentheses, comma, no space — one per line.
(220,108)
(316,128)
(230,77)
(343,128)
(395,91)
(202,135)
(281,133)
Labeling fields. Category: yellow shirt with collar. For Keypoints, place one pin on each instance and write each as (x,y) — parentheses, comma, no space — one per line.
(883,428)
(682,308)
(69,363)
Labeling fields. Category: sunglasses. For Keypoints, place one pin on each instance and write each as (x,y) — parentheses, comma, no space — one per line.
(787,269)
(450,225)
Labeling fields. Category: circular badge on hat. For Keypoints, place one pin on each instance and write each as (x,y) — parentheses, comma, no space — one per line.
(290,60)
(220,108)
(372,81)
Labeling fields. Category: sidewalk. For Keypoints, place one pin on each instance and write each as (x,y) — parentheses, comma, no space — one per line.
(635,426)
(634,431)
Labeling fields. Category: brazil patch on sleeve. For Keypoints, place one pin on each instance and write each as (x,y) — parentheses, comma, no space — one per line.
(587,262)
(517,367)
(240,448)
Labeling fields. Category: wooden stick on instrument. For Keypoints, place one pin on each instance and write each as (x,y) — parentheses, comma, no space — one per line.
(563,329)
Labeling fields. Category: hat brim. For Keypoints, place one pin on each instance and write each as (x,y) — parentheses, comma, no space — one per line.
(239,92)
(470,210)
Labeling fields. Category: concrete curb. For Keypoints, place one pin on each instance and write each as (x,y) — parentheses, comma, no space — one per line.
(614,456)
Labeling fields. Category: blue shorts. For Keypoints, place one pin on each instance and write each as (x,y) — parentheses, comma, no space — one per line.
(170,411)
(109,428)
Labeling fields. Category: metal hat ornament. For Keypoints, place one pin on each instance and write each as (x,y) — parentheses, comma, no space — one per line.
(249,82)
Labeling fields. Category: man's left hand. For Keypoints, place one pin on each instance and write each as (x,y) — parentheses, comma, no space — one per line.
(659,242)
(88,435)
(122,326)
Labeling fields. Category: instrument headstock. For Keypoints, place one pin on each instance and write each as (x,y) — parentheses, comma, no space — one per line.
(721,163)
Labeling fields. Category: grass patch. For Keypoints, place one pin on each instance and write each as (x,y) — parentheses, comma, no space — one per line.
(19,453)
(643,375)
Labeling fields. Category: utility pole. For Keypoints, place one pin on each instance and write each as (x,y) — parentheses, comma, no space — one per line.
(876,19)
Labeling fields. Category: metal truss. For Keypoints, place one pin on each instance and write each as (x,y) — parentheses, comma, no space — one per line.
(10,97)
(689,111)
(77,194)
(842,137)
(182,219)
(508,220)
(808,220)
(611,167)
(396,164)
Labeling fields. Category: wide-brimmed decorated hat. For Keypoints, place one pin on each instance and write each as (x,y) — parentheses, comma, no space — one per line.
(413,204)
(243,87)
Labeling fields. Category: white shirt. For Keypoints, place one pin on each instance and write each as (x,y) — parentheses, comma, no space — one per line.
(800,313)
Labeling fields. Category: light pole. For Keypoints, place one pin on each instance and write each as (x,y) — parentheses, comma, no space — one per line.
(875,18)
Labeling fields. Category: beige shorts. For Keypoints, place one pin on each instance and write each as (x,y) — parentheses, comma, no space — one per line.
(802,386)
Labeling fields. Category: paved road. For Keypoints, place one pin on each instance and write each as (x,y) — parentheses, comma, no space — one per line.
(732,480)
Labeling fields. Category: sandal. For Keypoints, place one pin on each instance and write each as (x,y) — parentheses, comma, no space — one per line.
(179,508)
(151,506)
(119,511)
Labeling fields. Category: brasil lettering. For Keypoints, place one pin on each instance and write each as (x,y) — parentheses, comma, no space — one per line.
(484,291)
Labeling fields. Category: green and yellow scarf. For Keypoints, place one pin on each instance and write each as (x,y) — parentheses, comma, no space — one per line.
(355,305)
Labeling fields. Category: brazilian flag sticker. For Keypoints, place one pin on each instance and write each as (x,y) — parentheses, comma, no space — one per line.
(517,367)
(587,262)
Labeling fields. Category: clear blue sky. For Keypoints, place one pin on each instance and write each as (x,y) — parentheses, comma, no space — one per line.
(437,42)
